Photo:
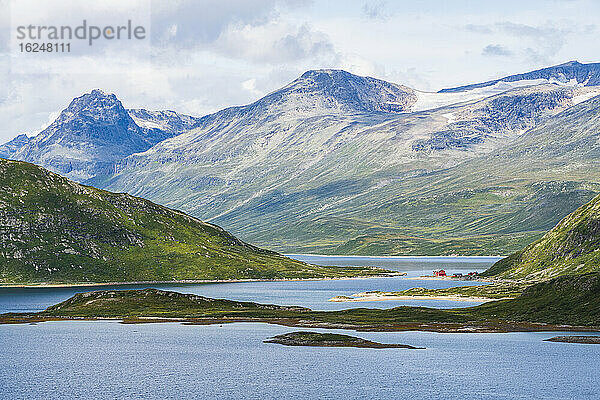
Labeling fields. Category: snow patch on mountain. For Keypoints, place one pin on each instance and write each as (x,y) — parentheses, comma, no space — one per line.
(93,132)
(432,100)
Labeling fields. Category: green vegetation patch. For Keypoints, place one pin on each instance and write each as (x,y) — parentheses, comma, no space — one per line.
(53,230)
(571,247)
(330,340)
(567,300)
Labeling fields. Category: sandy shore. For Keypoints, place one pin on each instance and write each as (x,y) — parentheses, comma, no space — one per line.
(342,299)
(446,278)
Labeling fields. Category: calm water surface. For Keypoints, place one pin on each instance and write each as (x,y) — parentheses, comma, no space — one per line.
(312,294)
(107,360)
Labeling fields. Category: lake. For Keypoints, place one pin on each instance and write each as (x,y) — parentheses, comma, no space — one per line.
(312,294)
(107,360)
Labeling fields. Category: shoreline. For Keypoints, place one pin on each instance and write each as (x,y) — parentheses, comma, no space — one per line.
(191,282)
(359,298)
(291,255)
(437,327)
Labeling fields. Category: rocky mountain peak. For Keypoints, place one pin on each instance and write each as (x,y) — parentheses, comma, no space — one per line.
(573,63)
(94,131)
(96,106)
(323,75)
(346,92)
(7,149)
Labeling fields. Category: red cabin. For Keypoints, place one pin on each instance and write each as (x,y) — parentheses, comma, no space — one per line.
(441,272)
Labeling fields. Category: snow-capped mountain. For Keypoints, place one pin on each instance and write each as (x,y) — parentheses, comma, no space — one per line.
(292,165)
(570,73)
(94,131)
(335,160)
(161,125)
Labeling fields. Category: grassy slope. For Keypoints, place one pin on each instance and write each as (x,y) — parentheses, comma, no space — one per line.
(564,300)
(572,300)
(397,244)
(572,246)
(54,230)
(493,291)
(516,192)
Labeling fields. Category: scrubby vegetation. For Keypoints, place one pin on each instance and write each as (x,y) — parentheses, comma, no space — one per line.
(330,340)
(571,247)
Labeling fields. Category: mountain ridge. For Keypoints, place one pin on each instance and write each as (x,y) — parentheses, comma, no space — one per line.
(339,162)
(585,74)
(92,132)
(317,168)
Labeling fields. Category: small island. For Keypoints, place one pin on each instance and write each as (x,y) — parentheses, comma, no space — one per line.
(304,338)
(575,339)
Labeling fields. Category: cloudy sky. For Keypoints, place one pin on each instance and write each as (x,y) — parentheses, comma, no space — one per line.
(204,55)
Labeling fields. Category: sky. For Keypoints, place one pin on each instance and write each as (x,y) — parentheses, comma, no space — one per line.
(201,56)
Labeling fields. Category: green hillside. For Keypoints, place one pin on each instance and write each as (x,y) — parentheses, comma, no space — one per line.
(571,247)
(571,300)
(53,230)
(494,204)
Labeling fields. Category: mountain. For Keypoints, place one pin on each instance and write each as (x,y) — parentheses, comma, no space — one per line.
(314,167)
(94,131)
(496,203)
(53,230)
(161,125)
(320,92)
(9,148)
(571,72)
(338,163)
(571,247)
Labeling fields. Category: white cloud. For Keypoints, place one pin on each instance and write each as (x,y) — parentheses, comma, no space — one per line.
(496,50)
(376,9)
(275,43)
(249,85)
(210,54)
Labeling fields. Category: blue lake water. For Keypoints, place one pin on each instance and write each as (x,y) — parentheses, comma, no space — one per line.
(107,360)
(312,294)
